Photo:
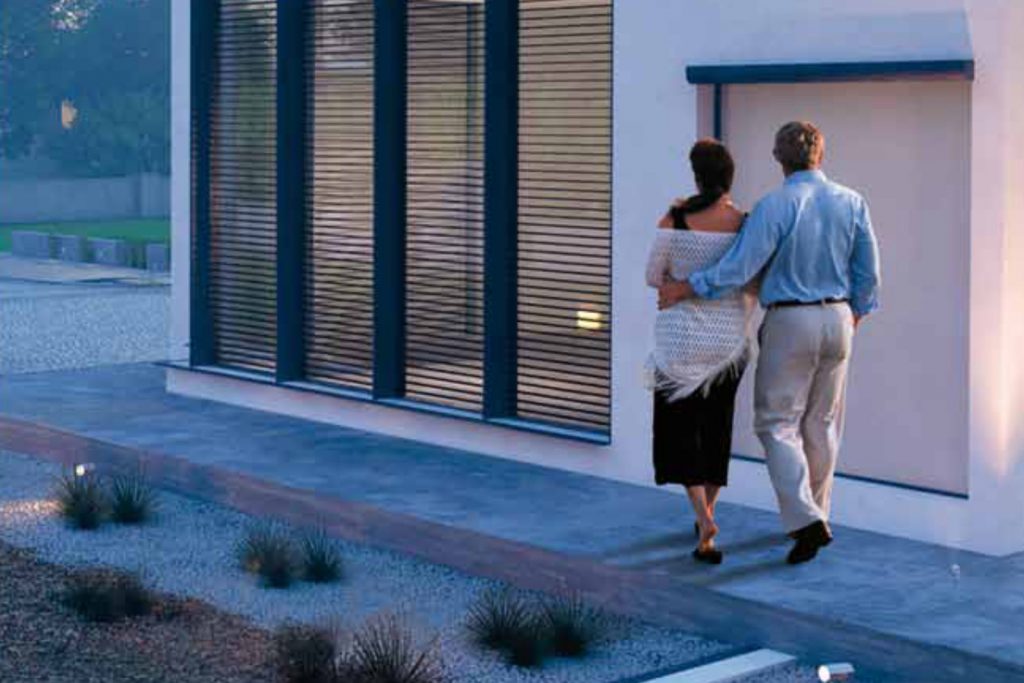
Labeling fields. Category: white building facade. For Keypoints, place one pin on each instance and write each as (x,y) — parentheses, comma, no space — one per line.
(541,359)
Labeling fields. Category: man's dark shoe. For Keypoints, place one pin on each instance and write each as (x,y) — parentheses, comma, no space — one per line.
(809,540)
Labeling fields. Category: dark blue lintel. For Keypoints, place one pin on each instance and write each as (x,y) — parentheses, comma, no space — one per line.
(831,72)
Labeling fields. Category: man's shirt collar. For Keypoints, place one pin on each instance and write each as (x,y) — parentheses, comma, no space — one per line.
(815,176)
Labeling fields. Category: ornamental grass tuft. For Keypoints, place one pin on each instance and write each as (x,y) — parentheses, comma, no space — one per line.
(528,649)
(81,501)
(132,499)
(384,651)
(306,654)
(269,552)
(505,621)
(571,626)
(105,596)
(321,560)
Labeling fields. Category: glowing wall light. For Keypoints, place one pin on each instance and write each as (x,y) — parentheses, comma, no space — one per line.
(589,320)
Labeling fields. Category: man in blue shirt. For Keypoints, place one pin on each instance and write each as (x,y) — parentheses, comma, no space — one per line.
(813,246)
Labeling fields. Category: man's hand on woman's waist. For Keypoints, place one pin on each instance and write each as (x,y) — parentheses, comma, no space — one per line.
(672,292)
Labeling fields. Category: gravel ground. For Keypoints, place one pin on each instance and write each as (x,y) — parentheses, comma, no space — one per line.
(189,551)
(55,326)
(182,640)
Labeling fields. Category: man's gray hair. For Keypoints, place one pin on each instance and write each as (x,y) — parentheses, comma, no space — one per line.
(799,145)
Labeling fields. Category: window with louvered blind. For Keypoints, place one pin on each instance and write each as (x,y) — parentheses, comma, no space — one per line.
(564,272)
(444,228)
(559,327)
(339,265)
(243,219)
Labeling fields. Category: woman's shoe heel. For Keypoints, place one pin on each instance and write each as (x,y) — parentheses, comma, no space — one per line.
(710,556)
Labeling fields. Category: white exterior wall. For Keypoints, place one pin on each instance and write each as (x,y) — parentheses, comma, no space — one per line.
(181,185)
(655,122)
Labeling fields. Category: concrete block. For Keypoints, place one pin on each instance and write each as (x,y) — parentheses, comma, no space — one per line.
(29,244)
(158,258)
(70,248)
(154,196)
(110,252)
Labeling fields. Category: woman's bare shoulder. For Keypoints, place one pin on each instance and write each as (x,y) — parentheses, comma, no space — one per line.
(668,221)
(738,216)
(720,219)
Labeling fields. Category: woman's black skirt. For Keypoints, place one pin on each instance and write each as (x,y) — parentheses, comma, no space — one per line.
(693,436)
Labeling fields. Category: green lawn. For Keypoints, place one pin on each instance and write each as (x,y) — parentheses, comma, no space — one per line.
(136,230)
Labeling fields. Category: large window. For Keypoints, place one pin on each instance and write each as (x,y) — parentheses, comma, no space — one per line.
(564,345)
(243,219)
(444,228)
(343,240)
(339,268)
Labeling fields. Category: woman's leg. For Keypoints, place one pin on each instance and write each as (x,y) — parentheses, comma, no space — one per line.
(717,437)
(711,492)
(708,528)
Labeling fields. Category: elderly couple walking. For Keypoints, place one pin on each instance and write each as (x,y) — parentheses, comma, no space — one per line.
(808,252)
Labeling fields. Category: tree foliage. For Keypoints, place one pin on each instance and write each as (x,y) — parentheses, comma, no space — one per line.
(110,59)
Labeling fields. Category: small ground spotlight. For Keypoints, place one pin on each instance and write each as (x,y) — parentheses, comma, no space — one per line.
(835,672)
(84,468)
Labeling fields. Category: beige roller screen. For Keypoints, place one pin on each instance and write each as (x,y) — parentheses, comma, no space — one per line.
(906,147)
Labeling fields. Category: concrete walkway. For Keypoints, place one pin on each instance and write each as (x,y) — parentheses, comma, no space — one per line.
(950,600)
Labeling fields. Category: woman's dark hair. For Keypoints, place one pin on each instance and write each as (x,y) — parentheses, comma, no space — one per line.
(713,170)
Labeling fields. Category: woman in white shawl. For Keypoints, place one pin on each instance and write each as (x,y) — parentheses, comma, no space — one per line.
(701,347)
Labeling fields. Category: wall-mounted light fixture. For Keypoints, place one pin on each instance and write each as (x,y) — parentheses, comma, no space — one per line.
(589,320)
(84,468)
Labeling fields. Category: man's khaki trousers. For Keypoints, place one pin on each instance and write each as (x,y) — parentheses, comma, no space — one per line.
(799,401)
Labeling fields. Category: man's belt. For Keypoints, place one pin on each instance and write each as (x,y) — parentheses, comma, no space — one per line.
(816,302)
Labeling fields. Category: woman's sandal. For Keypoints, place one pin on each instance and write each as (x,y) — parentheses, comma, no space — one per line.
(709,556)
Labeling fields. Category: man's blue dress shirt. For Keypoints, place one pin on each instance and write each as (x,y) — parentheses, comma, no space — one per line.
(813,240)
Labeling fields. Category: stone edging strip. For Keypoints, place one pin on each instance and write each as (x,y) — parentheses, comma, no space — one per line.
(729,670)
(659,599)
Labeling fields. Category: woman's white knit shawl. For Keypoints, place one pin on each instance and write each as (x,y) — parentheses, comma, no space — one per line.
(698,340)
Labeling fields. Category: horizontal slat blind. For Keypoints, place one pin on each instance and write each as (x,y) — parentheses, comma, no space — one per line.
(243,219)
(444,320)
(339,271)
(564,343)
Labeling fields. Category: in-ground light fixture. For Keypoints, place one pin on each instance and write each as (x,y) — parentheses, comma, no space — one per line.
(84,468)
(835,672)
